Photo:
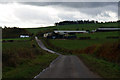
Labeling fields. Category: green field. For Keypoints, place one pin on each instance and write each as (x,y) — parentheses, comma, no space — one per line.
(24,59)
(30,68)
(100,35)
(85,26)
(18,39)
(73,27)
(79,44)
(33,30)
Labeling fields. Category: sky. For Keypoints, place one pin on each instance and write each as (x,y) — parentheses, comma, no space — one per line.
(42,14)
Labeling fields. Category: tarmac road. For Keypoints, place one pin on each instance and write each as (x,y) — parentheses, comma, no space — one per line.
(65,66)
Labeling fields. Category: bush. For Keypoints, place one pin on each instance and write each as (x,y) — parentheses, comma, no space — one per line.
(10,40)
(84,38)
(33,45)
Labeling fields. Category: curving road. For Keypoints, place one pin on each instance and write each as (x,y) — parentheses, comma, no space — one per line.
(44,48)
(65,66)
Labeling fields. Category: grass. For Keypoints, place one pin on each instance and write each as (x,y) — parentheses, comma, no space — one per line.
(78,44)
(104,68)
(24,59)
(18,39)
(85,26)
(23,44)
(31,68)
(33,30)
(72,27)
(101,35)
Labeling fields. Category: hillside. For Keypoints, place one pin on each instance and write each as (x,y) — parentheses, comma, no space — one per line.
(13,32)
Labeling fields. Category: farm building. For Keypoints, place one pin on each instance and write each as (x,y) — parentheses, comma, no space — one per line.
(62,34)
(107,29)
(23,36)
(47,34)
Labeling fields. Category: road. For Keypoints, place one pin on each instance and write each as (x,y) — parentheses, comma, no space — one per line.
(44,48)
(65,66)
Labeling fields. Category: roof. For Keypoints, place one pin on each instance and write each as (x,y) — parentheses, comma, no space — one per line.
(108,29)
(66,31)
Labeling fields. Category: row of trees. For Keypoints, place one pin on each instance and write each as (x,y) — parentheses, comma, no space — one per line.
(82,22)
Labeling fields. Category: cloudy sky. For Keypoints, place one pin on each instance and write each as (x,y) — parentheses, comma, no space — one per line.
(41,14)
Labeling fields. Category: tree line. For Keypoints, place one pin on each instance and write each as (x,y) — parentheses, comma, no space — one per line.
(82,22)
(13,32)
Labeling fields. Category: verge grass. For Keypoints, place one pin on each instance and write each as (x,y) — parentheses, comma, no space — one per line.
(24,59)
(31,68)
(104,68)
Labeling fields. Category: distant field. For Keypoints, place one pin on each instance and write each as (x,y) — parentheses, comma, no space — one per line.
(73,27)
(33,30)
(36,30)
(85,26)
(79,44)
(100,35)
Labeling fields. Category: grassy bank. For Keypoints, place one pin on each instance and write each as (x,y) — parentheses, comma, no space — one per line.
(24,59)
(104,68)
(30,68)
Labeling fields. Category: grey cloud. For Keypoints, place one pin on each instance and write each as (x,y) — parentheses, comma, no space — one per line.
(91,8)
(73,4)
(62,11)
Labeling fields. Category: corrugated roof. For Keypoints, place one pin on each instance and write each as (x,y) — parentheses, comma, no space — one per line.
(108,28)
(68,31)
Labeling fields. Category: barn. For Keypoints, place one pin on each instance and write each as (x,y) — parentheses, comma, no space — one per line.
(68,32)
(107,29)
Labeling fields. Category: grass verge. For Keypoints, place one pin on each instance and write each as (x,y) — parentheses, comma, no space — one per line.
(30,69)
(24,60)
(104,68)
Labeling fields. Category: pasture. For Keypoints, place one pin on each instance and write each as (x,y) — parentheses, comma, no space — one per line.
(17,39)
(72,27)
(100,35)
(79,44)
